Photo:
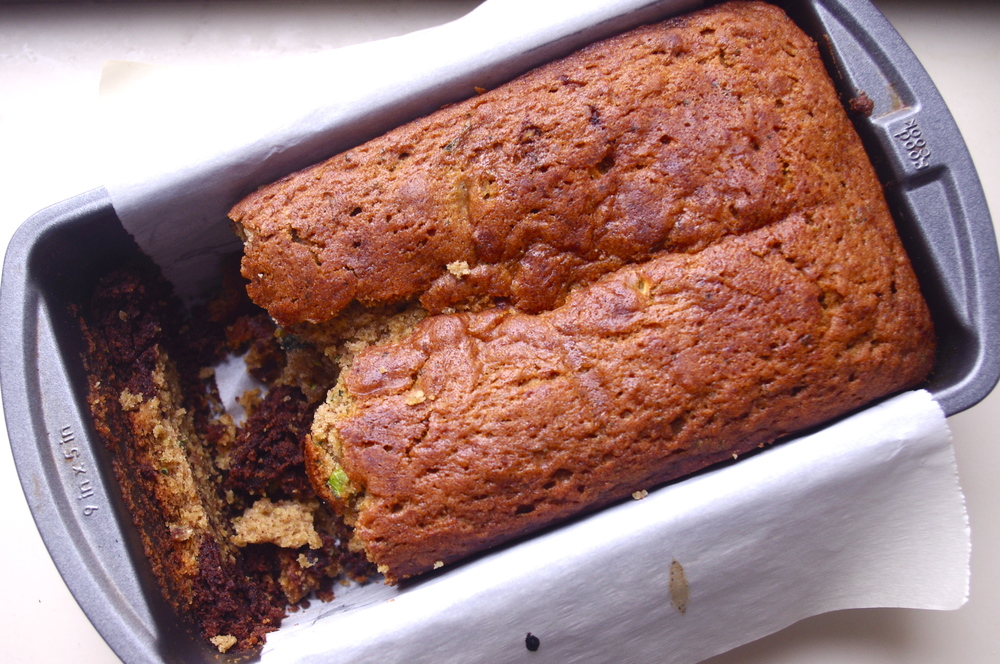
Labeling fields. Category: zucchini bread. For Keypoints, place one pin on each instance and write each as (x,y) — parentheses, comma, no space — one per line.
(656,254)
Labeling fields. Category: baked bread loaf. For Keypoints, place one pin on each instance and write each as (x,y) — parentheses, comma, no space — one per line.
(659,253)
(480,427)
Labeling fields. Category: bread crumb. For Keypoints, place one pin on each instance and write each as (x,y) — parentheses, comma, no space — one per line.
(459,268)
(304,561)
(129,400)
(639,495)
(223,642)
(250,399)
(180,533)
(287,523)
(439,564)
(415,396)
(862,104)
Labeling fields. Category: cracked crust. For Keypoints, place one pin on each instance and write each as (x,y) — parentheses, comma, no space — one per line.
(651,373)
(665,138)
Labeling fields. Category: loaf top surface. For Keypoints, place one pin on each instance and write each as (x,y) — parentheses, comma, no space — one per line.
(482,426)
(764,290)
(663,139)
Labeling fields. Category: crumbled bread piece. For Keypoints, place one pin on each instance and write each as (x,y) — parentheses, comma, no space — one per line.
(459,268)
(287,523)
(223,642)
(415,396)
(249,400)
(129,401)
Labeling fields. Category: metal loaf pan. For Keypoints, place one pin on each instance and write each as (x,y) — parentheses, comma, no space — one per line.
(56,255)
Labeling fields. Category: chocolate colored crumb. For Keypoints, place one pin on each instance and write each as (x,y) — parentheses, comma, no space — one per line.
(267,456)
(254,336)
(151,409)
(186,473)
(862,104)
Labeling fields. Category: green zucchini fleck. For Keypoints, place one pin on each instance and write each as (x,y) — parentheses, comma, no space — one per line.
(338,482)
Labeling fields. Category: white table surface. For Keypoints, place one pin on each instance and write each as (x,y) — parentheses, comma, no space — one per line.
(50,63)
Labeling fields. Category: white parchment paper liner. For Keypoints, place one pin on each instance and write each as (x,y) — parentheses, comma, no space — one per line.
(865,513)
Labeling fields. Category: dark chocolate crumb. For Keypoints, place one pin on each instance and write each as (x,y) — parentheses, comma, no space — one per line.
(863,104)
(267,456)
(532,642)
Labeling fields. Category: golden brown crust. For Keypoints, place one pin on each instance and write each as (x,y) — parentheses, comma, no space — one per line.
(651,373)
(773,295)
(665,138)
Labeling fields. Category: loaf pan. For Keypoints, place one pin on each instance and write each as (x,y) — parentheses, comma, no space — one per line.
(56,255)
